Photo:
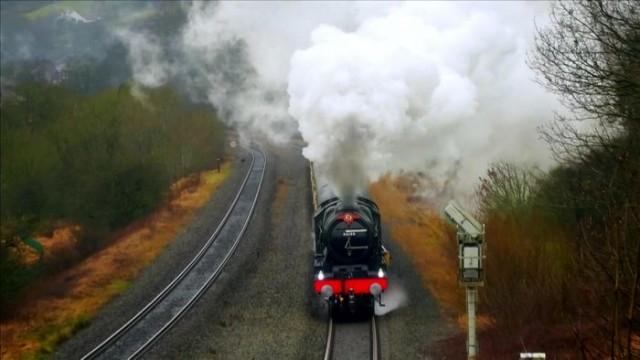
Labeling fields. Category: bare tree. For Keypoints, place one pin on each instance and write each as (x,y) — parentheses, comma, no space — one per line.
(590,57)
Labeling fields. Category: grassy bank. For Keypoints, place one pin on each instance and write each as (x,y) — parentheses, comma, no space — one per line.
(60,305)
(420,232)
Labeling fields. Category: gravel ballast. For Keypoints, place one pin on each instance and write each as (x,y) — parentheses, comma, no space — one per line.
(259,309)
(411,330)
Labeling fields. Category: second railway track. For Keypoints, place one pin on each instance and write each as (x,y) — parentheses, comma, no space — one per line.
(352,340)
(137,335)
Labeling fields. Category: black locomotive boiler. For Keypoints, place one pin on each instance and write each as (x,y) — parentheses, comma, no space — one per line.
(350,261)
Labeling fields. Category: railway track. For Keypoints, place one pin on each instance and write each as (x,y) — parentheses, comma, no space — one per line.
(355,340)
(137,335)
(358,340)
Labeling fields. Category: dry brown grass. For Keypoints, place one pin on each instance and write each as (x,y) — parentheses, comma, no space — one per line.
(419,230)
(525,270)
(530,298)
(60,243)
(60,305)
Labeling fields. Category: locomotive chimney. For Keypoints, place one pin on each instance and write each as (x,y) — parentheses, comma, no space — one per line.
(347,203)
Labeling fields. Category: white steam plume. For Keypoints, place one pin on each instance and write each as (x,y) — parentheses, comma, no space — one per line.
(394,298)
(235,55)
(147,60)
(441,88)
(436,88)
(218,47)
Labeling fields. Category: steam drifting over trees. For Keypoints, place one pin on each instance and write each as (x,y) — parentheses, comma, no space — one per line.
(589,55)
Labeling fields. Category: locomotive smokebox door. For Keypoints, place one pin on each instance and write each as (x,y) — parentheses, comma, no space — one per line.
(350,239)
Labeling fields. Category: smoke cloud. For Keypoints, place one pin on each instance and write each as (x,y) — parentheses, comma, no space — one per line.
(439,89)
(394,298)
(148,63)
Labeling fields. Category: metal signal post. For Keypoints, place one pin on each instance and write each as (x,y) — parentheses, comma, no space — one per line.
(470,236)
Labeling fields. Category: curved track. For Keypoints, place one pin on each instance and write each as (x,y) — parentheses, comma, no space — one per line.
(160,314)
(356,340)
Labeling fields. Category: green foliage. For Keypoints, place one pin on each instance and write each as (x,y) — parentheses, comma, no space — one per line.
(100,161)
(55,7)
(118,286)
(15,275)
(54,335)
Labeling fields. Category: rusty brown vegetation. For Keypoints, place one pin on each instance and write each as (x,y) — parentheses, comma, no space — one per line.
(421,233)
(526,296)
(563,261)
(58,306)
(531,300)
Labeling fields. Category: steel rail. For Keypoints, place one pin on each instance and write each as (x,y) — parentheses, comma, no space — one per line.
(375,345)
(140,315)
(328,350)
(211,278)
(374,349)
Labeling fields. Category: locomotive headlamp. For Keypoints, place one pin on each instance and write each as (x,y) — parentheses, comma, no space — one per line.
(348,217)
(320,275)
(380,273)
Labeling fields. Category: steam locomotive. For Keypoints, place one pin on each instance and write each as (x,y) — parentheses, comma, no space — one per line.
(350,261)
